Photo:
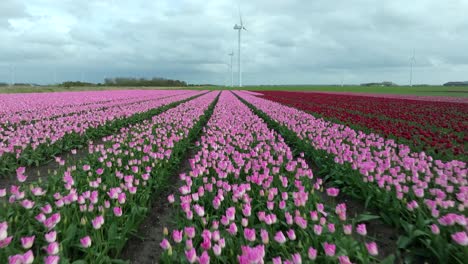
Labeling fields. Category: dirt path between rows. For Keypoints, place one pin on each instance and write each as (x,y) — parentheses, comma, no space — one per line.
(144,247)
(43,171)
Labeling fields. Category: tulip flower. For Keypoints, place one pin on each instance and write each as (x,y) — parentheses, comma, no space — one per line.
(27,242)
(333,192)
(361,229)
(460,238)
(312,253)
(329,249)
(85,242)
(372,248)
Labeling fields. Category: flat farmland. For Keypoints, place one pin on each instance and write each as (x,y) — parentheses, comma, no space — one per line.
(208,176)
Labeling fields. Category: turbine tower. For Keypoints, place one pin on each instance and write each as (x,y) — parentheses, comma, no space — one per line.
(12,75)
(230,67)
(412,61)
(239,28)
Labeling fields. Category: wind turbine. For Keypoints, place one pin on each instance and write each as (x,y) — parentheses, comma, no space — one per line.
(342,78)
(55,76)
(412,61)
(13,73)
(230,67)
(239,28)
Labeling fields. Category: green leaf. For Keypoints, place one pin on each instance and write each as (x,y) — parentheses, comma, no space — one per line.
(418,233)
(366,217)
(113,234)
(403,242)
(70,233)
(388,260)
(79,262)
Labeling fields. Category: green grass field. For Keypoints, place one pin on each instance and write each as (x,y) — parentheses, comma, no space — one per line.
(405,90)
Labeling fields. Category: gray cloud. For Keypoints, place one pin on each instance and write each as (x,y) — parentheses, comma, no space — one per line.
(294,41)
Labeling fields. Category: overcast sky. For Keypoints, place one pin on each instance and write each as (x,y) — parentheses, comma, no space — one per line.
(286,42)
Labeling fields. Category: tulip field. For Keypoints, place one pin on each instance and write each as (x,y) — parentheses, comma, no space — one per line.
(264,183)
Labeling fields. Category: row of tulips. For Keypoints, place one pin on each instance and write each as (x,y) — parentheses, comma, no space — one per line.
(15,138)
(426,198)
(38,142)
(88,208)
(438,128)
(246,199)
(25,108)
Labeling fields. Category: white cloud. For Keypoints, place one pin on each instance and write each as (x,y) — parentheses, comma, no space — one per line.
(294,41)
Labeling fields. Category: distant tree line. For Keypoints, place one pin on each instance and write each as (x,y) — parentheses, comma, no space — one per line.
(120,81)
(456,84)
(3,84)
(76,84)
(379,84)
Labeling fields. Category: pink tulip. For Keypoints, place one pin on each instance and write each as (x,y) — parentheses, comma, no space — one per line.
(252,254)
(348,229)
(249,234)
(232,229)
(85,242)
(291,234)
(28,257)
(171,199)
(52,248)
(277,260)
(3,230)
(191,255)
(372,248)
(20,174)
(5,242)
(312,253)
(15,259)
(333,192)
(231,213)
(460,238)
(329,249)
(217,250)
(165,244)
(117,211)
(98,221)
(280,238)
(204,258)
(27,242)
(189,231)
(51,259)
(51,236)
(344,260)
(296,258)
(264,235)
(361,229)
(177,236)
(206,244)
(318,230)
(27,204)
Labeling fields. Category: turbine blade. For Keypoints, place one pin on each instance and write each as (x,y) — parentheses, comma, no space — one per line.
(240,13)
